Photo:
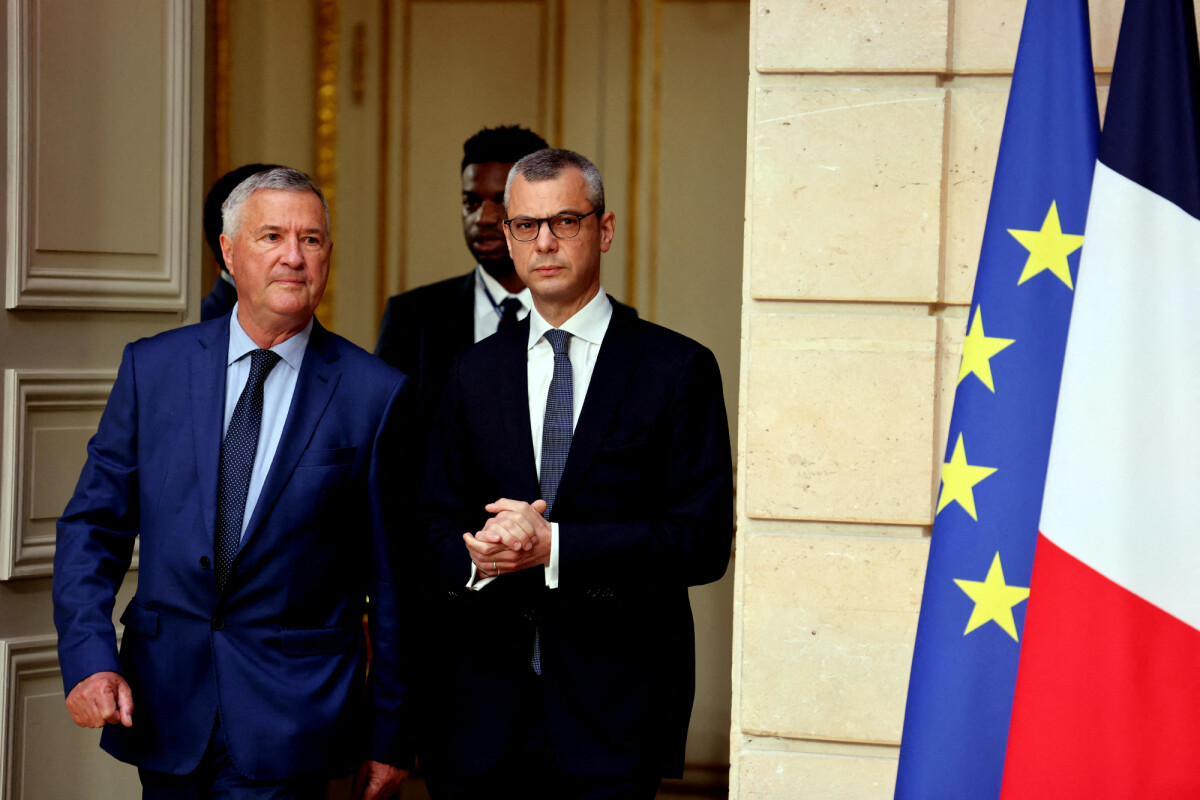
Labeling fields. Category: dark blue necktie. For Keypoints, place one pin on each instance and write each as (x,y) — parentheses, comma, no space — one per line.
(556,424)
(510,307)
(237,462)
(556,441)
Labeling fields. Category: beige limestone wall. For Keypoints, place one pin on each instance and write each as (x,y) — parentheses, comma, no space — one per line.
(873,129)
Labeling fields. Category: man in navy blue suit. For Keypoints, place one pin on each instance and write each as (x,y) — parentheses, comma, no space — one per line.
(578,482)
(249,455)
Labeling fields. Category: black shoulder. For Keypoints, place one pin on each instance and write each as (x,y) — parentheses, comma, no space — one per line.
(656,339)
(621,308)
(431,294)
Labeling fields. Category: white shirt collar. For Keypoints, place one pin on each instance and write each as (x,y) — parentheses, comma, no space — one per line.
(499,293)
(290,350)
(589,323)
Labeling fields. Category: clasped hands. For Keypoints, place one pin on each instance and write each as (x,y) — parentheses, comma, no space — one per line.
(516,537)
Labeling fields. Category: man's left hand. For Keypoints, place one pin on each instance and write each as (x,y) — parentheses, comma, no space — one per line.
(376,780)
(517,537)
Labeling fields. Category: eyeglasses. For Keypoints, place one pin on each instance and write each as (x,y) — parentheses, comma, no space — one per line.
(563,226)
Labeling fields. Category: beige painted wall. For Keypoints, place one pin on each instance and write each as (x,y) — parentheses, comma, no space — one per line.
(873,128)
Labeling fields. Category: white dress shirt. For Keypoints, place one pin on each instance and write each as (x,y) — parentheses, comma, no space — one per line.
(487,309)
(277,397)
(587,329)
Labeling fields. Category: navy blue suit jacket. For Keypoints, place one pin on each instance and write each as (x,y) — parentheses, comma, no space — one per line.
(281,651)
(645,510)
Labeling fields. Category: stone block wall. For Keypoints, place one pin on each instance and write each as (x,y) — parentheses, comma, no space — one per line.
(873,129)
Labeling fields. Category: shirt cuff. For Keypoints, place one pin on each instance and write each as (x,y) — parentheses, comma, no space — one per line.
(552,567)
(476,585)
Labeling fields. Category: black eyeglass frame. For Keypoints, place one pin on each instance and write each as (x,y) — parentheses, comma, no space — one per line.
(548,220)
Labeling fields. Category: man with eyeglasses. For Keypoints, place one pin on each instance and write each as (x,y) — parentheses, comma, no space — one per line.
(568,669)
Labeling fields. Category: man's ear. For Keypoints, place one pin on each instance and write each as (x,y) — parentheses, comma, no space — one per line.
(608,226)
(227,254)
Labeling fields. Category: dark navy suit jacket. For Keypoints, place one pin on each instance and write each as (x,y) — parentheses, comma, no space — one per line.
(281,651)
(423,330)
(645,510)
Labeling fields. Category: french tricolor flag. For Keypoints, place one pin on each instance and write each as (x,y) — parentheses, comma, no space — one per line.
(1107,701)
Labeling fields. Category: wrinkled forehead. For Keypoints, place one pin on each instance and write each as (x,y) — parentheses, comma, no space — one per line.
(567,191)
(285,208)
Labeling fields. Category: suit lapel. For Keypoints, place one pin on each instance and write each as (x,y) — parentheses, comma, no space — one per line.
(512,402)
(318,377)
(208,368)
(463,317)
(610,378)
(445,335)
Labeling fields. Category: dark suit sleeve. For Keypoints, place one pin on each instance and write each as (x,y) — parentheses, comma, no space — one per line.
(683,526)
(391,587)
(445,497)
(96,534)
(397,343)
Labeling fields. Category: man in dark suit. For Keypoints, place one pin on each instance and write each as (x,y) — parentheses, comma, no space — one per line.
(423,329)
(578,481)
(247,454)
(219,301)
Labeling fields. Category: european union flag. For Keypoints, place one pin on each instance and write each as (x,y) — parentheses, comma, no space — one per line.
(981,556)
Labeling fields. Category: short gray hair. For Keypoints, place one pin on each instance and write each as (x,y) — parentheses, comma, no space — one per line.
(280,178)
(548,164)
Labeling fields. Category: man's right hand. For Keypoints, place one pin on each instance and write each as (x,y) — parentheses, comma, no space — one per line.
(101,698)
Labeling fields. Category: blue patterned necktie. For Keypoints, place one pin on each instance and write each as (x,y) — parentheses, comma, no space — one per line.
(510,307)
(237,462)
(556,424)
(556,442)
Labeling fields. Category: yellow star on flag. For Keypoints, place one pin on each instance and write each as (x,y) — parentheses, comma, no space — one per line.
(959,479)
(994,600)
(1048,248)
(978,349)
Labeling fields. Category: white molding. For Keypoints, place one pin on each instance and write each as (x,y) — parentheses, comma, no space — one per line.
(55,287)
(20,659)
(18,155)
(26,390)
(23,658)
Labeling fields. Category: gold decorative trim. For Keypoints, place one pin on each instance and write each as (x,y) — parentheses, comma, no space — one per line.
(560,69)
(633,211)
(358,64)
(222,81)
(326,129)
(543,62)
(405,138)
(385,136)
(655,167)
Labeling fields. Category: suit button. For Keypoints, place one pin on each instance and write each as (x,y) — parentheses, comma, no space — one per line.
(204,562)
(218,623)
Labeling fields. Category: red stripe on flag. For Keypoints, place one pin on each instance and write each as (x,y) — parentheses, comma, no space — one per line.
(1108,692)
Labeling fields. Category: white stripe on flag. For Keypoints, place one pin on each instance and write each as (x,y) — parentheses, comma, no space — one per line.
(1124,476)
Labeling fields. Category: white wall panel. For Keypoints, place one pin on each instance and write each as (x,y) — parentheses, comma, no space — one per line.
(48,418)
(37,732)
(99,100)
